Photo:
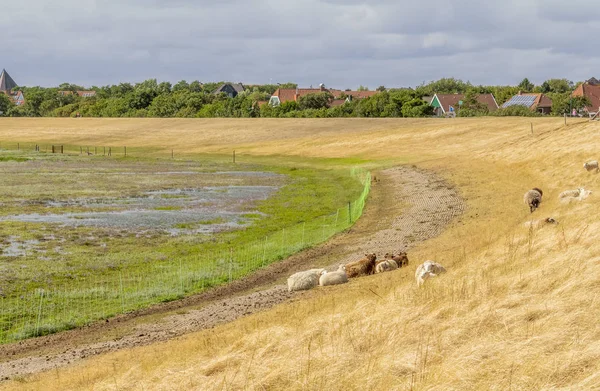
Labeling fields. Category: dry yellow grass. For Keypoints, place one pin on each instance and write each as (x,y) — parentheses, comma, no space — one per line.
(518,309)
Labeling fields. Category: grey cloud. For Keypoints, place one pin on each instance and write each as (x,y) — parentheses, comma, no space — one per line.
(341,43)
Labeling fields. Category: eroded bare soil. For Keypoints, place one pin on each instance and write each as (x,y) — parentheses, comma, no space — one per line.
(406,206)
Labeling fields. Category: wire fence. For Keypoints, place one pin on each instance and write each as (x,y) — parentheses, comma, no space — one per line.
(55,308)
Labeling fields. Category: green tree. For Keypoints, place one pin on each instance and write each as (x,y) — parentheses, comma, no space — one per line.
(417,108)
(525,85)
(181,86)
(448,85)
(315,101)
(471,107)
(5,104)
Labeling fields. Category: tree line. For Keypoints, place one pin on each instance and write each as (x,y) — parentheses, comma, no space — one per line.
(197,100)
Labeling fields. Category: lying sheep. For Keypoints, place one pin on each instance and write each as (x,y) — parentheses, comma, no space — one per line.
(401,259)
(577,194)
(533,198)
(334,278)
(541,223)
(592,165)
(305,280)
(364,267)
(385,266)
(426,270)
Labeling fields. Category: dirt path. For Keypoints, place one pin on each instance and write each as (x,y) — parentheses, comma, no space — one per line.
(406,206)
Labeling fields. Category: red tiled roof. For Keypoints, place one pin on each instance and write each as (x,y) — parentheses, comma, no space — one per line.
(592,92)
(86,93)
(447,100)
(337,102)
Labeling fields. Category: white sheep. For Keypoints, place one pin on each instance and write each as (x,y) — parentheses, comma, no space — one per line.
(592,165)
(577,194)
(428,269)
(305,280)
(386,266)
(334,278)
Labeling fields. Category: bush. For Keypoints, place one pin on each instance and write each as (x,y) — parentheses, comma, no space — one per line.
(515,111)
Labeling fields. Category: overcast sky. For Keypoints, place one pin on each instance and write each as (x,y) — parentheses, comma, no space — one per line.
(342,43)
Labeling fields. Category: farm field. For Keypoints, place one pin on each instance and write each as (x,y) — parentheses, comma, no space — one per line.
(517,309)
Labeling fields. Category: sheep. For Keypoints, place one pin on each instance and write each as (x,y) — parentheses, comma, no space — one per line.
(592,165)
(401,259)
(334,278)
(426,270)
(385,266)
(304,280)
(541,223)
(577,194)
(533,198)
(364,267)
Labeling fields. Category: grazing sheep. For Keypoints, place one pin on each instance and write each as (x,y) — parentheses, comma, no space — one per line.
(533,198)
(592,165)
(385,266)
(305,280)
(426,270)
(334,278)
(577,194)
(364,267)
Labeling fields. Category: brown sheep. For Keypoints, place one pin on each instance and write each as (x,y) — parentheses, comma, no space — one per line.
(533,198)
(364,267)
(401,258)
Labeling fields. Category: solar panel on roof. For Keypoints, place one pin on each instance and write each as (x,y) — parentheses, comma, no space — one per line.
(520,100)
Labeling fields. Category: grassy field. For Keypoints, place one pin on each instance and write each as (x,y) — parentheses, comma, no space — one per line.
(518,309)
(83,238)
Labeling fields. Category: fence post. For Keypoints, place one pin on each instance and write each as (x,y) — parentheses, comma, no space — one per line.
(181,276)
(39,315)
(350,212)
(121,289)
(283,242)
(104,153)
(336,219)
(61,149)
(230,261)
(80,150)
(234,156)
(264,251)
(125,148)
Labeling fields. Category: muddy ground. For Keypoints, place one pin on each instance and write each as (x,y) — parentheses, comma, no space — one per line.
(406,206)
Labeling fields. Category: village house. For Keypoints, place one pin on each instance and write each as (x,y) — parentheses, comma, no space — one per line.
(591,90)
(282,95)
(7,84)
(230,89)
(447,104)
(534,101)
